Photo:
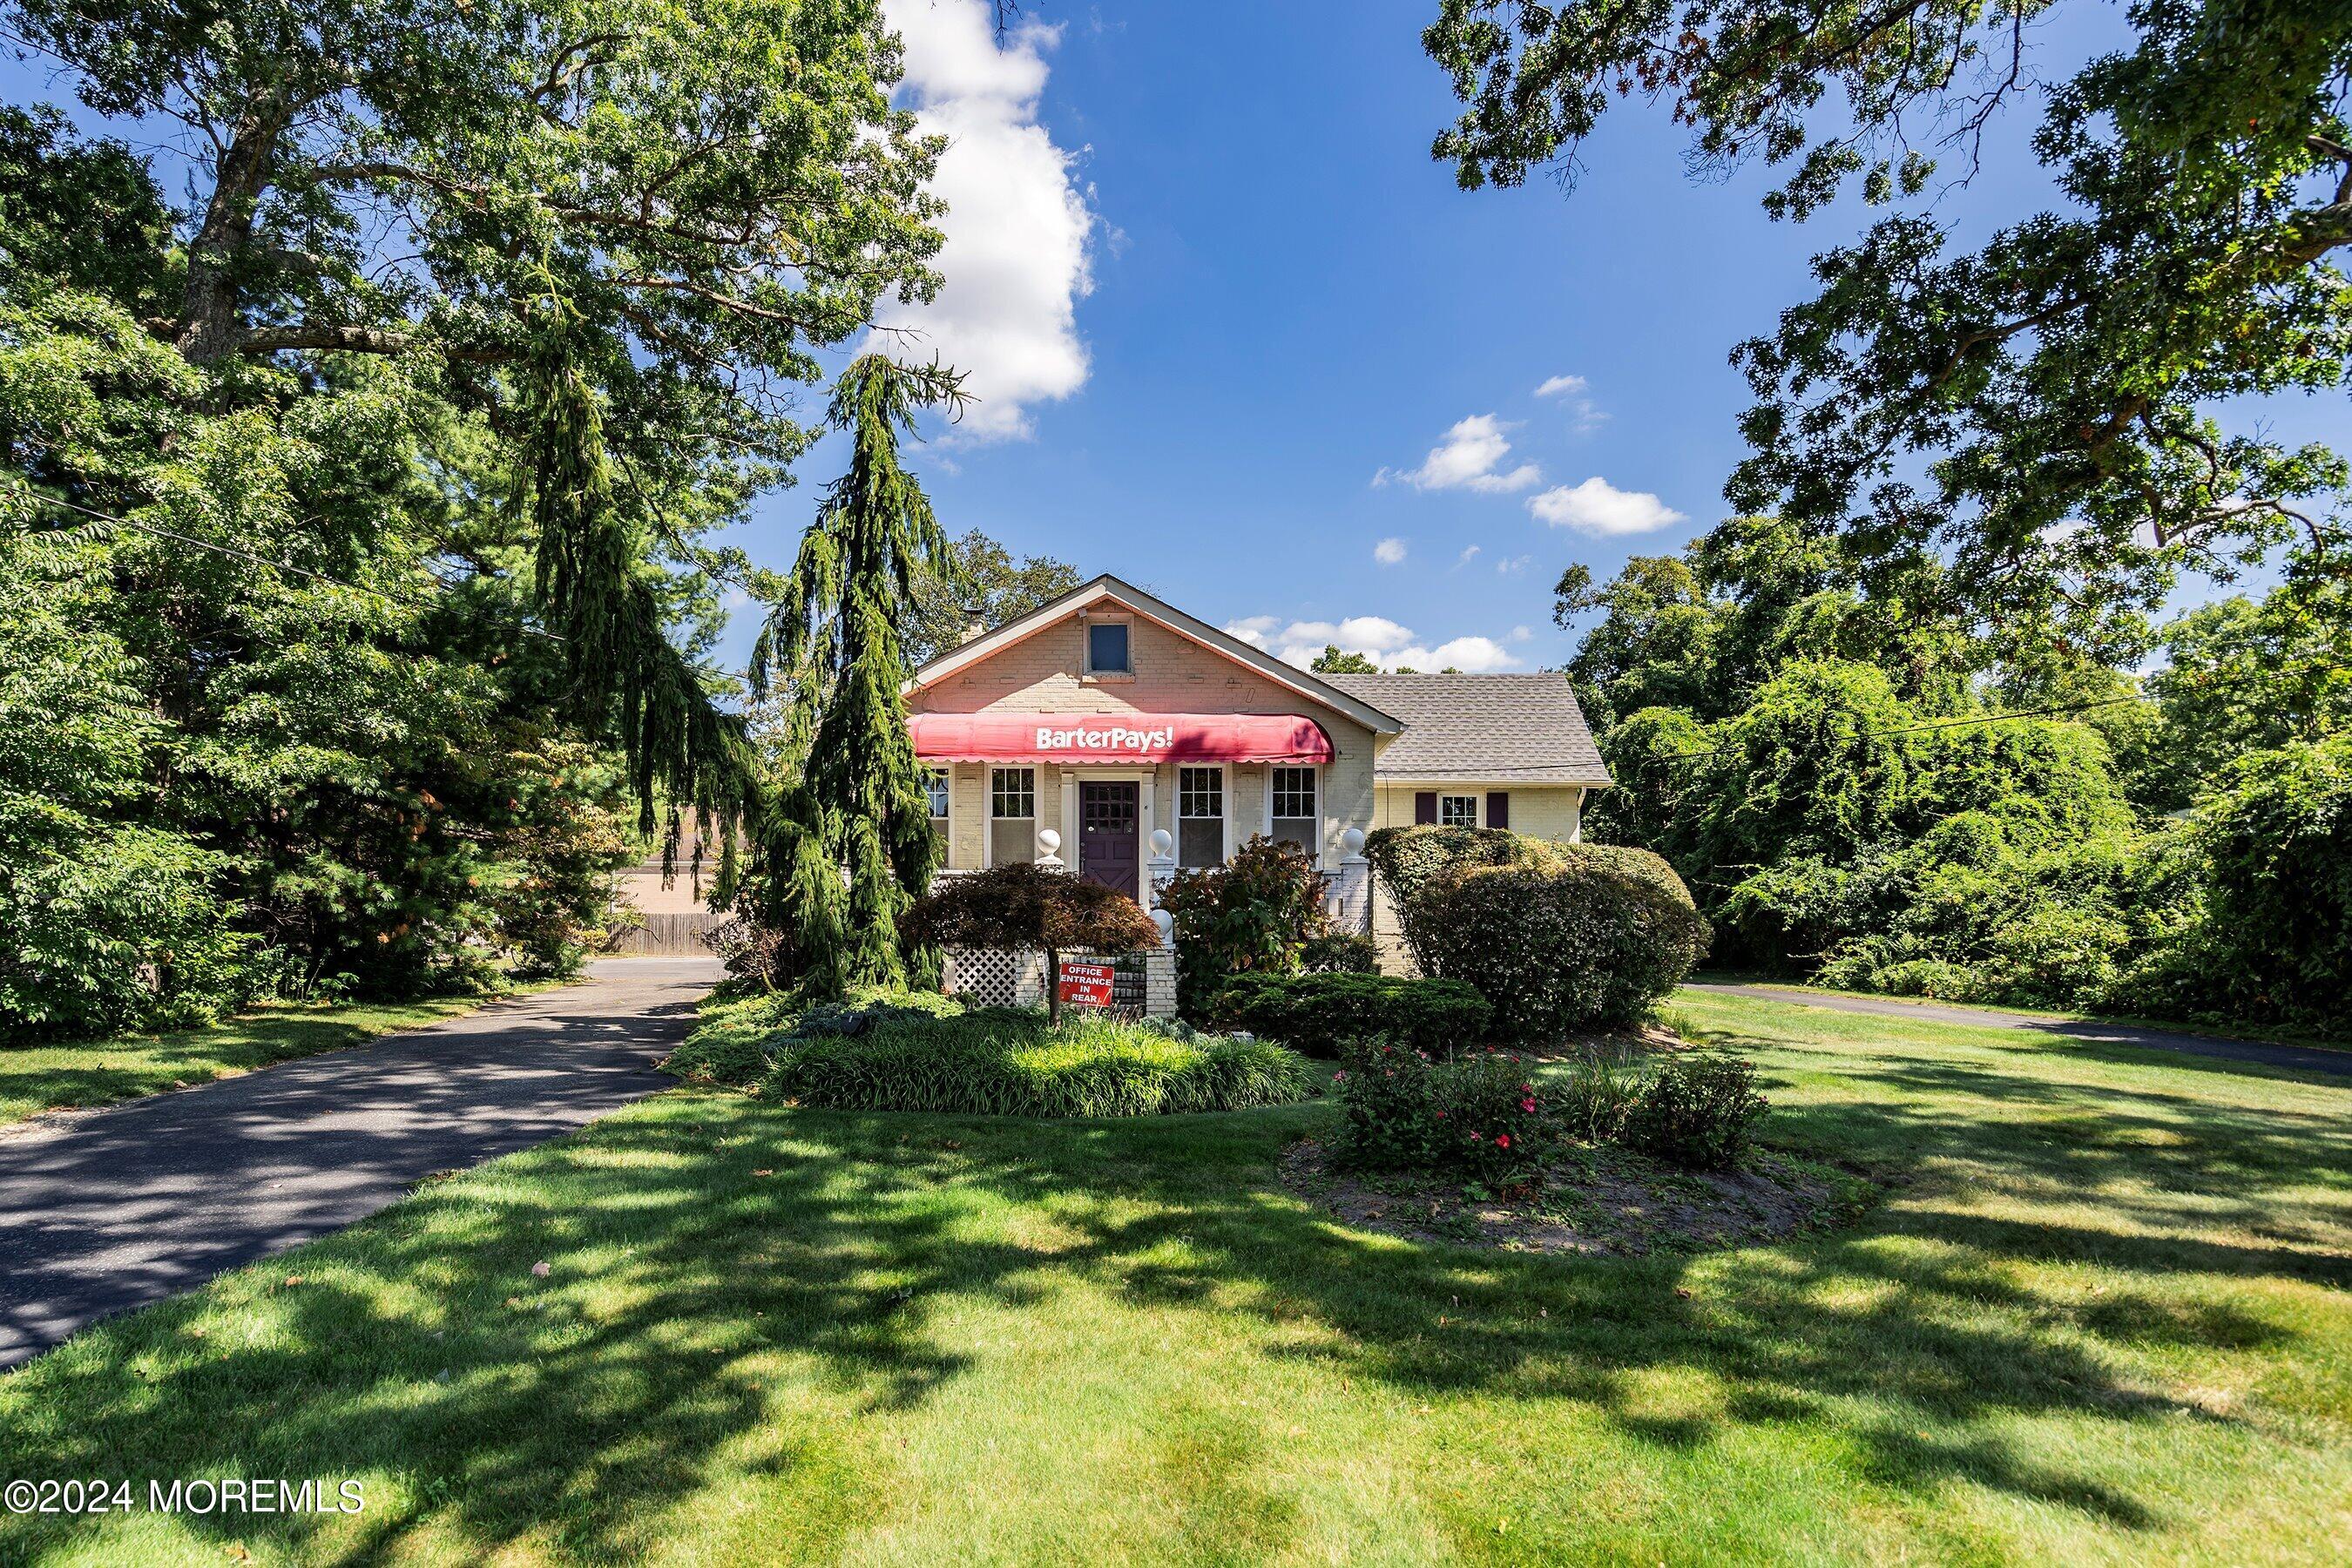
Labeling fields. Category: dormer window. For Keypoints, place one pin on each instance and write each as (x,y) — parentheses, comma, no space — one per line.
(1107,650)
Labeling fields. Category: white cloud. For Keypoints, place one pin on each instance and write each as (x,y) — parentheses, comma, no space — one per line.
(1598,507)
(1389,552)
(1512,563)
(1469,553)
(1585,414)
(1018,226)
(1383,641)
(1469,457)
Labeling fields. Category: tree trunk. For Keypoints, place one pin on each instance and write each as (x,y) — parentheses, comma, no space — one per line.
(1052,987)
(209,327)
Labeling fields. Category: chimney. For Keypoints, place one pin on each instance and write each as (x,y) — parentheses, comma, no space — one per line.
(974,622)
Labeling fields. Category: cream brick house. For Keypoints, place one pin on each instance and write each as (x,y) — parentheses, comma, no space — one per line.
(1110,732)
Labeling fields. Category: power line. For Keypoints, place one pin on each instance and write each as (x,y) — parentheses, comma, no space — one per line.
(416,601)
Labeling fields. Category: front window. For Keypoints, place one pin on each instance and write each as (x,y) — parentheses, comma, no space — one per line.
(1457,811)
(1106,649)
(1297,817)
(935,784)
(1012,815)
(1200,817)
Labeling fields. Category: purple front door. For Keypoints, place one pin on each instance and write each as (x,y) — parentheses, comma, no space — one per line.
(1109,851)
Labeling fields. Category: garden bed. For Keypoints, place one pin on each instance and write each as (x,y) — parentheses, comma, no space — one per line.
(1596,1199)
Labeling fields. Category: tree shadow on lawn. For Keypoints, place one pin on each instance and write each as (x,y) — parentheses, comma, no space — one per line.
(703,1319)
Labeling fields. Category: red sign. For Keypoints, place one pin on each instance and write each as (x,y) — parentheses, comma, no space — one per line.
(1144,738)
(1087,983)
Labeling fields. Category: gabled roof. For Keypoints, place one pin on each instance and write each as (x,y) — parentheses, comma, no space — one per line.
(1508,728)
(1319,689)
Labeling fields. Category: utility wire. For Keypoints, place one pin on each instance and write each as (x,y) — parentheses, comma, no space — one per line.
(416,601)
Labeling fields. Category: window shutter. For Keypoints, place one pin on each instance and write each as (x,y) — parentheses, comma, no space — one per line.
(1498,808)
(1425,806)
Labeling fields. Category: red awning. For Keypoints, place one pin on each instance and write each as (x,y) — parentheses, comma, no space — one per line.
(1145,738)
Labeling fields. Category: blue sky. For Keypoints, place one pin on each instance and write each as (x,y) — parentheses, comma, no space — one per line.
(1208,286)
(1284,296)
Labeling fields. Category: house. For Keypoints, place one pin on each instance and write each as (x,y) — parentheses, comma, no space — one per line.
(1109,732)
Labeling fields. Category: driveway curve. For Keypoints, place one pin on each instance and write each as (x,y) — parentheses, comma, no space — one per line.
(108,1210)
(2300,1058)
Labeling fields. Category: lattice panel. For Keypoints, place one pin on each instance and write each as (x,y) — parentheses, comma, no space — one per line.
(989,976)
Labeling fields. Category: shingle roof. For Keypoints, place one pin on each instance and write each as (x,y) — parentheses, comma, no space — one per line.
(1508,728)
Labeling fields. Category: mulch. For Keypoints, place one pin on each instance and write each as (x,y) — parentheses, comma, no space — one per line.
(1595,1200)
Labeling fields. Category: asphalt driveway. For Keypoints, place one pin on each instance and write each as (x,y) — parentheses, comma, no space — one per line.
(2301,1059)
(107,1210)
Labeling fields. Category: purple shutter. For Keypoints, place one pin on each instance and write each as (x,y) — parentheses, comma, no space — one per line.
(1498,808)
(1425,806)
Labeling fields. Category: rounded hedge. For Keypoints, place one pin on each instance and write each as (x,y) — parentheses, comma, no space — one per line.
(1589,941)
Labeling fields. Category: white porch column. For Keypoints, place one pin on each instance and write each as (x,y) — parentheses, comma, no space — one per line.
(1349,900)
(1049,849)
(1163,868)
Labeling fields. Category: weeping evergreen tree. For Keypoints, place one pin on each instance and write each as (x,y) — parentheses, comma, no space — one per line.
(628,681)
(858,801)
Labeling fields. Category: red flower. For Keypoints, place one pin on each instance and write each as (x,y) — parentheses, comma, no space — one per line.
(1502,1139)
(1440,1116)
(1528,1105)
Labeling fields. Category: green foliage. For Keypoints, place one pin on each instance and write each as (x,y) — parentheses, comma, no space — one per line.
(1331,661)
(2058,382)
(2241,675)
(1006,1062)
(408,537)
(1698,1110)
(1595,1099)
(1340,953)
(860,800)
(1324,1013)
(736,1042)
(1254,914)
(1479,1117)
(1025,907)
(1586,944)
(2275,939)
(1408,861)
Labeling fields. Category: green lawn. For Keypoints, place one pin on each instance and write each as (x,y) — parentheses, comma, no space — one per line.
(2101,1313)
(35,1078)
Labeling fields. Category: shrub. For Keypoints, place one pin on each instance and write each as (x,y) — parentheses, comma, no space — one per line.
(1009,1062)
(1254,914)
(2277,931)
(1340,953)
(1591,944)
(1697,1111)
(1026,907)
(1410,860)
(1478,1117)
(1319,1013)
(739,1041)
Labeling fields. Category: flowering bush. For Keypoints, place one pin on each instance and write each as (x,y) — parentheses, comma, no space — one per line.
(1479,1117)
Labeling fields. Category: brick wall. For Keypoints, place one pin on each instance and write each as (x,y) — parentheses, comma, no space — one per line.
(1044,673)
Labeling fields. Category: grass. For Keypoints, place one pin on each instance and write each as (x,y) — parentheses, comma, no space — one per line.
(2234,1031)
(37,1078)
(2103,1312)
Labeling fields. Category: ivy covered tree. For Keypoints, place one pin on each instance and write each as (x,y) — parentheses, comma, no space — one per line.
(1332,661)
(849,844)
(2057,383)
